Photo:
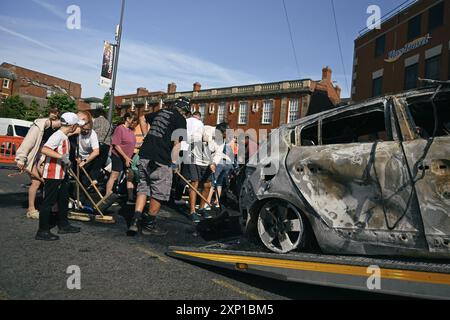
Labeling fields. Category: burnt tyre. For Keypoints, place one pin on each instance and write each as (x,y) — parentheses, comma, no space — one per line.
(281,227)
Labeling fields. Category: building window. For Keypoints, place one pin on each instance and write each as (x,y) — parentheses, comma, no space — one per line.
(6,83)
(221,113)
(414,27)
(411,76)
(243,113)
(432,68)
(202,110)
(294,110)
(377,87)
(436,16)
(267,112)
(380,46)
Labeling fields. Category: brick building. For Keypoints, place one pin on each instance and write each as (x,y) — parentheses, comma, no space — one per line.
(259,106)
(413,42)
(33,85)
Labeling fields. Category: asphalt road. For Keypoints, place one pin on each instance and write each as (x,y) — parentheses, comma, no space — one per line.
(114,266)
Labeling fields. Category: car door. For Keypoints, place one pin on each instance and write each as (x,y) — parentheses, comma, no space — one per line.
(429,160)
(355,179)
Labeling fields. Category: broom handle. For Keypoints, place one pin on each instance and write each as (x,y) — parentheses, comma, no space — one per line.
(92,182)
(78,189)
(190,186)
(85,192)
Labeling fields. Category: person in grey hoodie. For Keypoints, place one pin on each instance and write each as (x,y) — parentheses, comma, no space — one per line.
(29,159)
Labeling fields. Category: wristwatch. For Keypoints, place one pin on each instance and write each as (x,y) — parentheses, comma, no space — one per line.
(174,166)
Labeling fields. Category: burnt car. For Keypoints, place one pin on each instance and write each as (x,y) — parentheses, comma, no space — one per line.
(366,179)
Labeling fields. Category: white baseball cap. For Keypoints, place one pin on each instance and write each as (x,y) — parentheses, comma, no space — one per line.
(70,119)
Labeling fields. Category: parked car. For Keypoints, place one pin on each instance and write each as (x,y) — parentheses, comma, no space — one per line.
(371,178)
(14,127)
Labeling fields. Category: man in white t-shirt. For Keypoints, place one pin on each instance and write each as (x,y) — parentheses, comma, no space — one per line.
(89,150)
(194,128)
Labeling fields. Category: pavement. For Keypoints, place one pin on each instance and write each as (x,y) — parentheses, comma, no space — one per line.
(114,266)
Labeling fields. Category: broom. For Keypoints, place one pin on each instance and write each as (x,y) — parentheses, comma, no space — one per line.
(102,218)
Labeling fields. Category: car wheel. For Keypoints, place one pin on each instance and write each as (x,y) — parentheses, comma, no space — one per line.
(280,227)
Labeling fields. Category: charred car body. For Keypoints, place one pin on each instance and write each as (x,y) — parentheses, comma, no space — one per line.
(366,179)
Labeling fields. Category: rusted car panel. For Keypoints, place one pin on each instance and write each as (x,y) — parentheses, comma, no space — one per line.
(374,197)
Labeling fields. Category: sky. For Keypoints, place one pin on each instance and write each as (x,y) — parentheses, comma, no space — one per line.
(217,43)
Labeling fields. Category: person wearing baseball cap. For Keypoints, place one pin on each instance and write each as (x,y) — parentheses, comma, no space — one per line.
(56,187)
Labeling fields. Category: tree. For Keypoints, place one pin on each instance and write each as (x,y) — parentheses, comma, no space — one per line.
(116,118)
(32,111)
(12,107)
(106,100)
(63,102)
(15,108)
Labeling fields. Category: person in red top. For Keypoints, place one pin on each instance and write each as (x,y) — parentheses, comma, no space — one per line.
(56,150)
(123,143)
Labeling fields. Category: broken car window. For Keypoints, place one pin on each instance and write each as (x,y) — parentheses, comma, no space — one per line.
(358,128)
(423,116)
(310,135)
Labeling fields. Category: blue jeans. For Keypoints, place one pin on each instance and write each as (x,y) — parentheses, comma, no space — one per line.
(222,173)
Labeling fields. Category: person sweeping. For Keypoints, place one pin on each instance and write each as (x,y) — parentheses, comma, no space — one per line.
(56,191)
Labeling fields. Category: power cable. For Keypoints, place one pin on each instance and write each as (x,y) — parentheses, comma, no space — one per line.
(339,43)
(292,39)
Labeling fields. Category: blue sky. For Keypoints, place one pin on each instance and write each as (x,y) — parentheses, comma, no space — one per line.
(217,43)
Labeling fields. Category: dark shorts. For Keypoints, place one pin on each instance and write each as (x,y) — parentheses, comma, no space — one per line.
(155,180)
(118,165)
(197,173)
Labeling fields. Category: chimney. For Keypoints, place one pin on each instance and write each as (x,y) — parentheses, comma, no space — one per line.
(326,74)
(197,87)
(142,92)
(171,88)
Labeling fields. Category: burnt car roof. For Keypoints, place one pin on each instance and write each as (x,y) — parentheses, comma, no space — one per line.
(354,106)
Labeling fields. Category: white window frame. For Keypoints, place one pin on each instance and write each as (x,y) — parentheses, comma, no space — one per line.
(267,115)
(221,112)
(243,116)
(202,109)
(293,114)
(8,83)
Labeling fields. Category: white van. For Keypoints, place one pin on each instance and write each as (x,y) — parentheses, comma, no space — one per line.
(14,127)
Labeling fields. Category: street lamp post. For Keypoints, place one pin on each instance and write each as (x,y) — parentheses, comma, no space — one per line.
(116,63)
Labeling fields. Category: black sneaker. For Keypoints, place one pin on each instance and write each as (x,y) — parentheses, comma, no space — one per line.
(46,236)
(205,213)
(69,229)
(195,217)
(153,230)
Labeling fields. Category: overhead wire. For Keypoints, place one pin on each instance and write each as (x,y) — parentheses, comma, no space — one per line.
(292,38)
(339,44)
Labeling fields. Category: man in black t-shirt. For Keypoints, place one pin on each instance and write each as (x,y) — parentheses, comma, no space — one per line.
(159,154)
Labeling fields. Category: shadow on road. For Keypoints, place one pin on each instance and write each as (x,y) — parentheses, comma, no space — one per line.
(10,200)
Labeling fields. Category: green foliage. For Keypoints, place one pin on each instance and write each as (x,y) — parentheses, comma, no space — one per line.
(106,100)
(63,102)
(32,111)
(12,107)
(15,108)
(116,118)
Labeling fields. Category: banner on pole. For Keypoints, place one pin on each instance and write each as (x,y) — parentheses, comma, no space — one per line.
(107,65)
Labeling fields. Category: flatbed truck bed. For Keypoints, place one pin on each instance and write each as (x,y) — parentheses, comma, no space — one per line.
(402,277)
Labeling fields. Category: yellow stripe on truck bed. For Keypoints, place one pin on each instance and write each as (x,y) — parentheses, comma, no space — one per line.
(395,274)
